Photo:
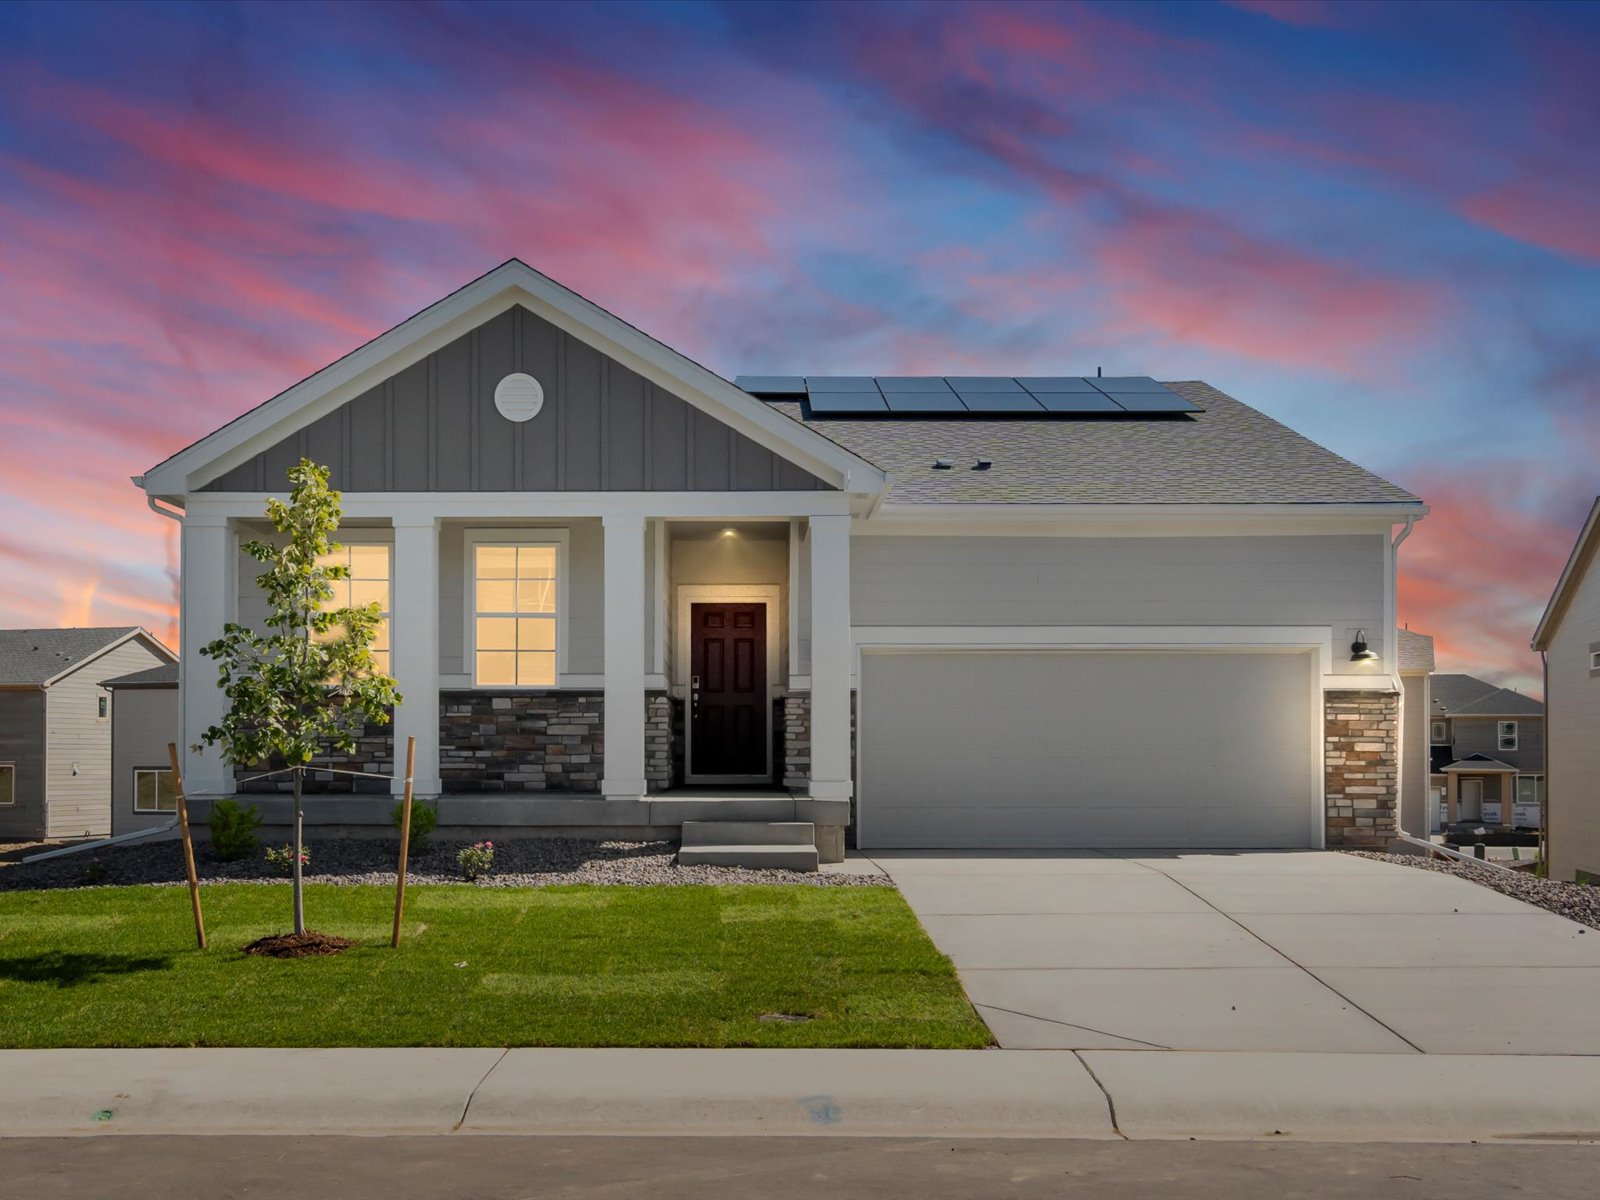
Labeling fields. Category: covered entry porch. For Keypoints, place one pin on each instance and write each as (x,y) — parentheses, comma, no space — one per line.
(569,661)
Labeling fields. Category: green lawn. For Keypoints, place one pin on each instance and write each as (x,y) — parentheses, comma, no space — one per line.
(560,966)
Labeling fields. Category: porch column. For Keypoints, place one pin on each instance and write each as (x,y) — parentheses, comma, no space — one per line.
(625,599)
(414,650)
(208,599)
(830,657)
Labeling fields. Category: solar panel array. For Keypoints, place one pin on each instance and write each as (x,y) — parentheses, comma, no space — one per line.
(971,395)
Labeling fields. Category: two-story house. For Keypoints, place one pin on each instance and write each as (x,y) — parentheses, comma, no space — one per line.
(1487,752)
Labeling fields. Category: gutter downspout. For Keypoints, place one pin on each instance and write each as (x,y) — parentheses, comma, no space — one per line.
(1392,649)
(95,845)
(1544,807)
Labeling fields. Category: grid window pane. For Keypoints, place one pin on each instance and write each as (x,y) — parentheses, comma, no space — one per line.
(536,561)
(536,633)
(369,591)
(368,562)
(497,668)
(497,596)
(497,633)
(536,670)
(497,562)
(536,595)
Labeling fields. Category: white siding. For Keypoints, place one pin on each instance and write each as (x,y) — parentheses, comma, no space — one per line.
(78,773)
(1572,727)
(1332,580)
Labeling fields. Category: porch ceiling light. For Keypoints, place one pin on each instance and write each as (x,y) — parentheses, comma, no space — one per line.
(1359,651)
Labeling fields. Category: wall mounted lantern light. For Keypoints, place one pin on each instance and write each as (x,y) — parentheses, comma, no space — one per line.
(1359,651)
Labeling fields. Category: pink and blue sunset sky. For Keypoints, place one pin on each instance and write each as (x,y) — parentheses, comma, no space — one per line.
(1377,223)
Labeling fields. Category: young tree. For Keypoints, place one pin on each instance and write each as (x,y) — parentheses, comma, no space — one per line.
(309,682)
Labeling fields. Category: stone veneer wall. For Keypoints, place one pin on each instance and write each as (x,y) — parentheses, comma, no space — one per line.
(796,766)
(1361,751)
(544,741)
(374,753)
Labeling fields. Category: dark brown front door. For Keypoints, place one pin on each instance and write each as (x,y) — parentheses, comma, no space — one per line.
(728,689)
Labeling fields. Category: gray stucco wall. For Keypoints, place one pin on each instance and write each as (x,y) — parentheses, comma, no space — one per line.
(143,721)
(22,743)
(1481,735)
(434,427)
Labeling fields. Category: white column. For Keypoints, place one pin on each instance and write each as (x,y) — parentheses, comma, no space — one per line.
(830,657)
(414,649)
(208,599)
(625,600)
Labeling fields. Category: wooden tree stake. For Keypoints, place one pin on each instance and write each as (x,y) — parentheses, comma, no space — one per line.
(405,843)
(188,845)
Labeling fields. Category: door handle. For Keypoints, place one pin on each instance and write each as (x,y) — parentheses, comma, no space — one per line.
(694,693)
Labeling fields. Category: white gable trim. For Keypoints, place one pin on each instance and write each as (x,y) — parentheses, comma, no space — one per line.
(507,285)
(152,643)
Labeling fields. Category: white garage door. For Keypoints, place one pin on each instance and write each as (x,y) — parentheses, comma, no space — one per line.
(1070,748)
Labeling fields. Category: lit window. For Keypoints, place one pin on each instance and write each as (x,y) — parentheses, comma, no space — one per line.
(8,783)
(1441,733)
(1508,735)
(153,791)
(514,615)
(368,584)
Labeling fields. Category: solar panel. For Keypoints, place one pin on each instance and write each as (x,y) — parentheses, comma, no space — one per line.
(772,385)
(911,383)
(840,383)
(1150,402)
(1044,384)
(924,402)
(847,403)
(1127,383)
(1000,402)
(982,383)
(1079,402)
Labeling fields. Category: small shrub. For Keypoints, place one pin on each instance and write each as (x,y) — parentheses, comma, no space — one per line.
(423,820)
(281,858)
(476,860)
(233,830)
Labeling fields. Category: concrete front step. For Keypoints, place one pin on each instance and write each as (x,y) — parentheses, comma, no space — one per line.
(745,833)
(770,845)
(770,858)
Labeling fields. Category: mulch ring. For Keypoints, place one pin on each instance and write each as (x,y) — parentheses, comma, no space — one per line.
(309,944)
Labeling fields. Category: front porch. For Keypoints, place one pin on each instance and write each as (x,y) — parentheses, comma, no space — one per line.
(575,671)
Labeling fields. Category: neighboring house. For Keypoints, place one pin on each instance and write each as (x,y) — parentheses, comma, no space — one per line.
(950,611)
(144,721)
(1568,638)
(55,726)
(1487,752)
(1419,807)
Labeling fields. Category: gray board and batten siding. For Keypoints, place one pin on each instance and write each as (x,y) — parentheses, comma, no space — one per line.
(433,427)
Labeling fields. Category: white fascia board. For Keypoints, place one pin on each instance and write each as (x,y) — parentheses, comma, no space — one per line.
(1570,574)
(709,506)
(154,643)
(511,284)
(1134,520)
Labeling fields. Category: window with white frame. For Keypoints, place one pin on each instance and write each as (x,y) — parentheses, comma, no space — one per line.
(153,791)
(368,583)
(8,784)
(1530,789)
(1508,735)
(1594,660)
(515,602)
(102,706)
(1441,733)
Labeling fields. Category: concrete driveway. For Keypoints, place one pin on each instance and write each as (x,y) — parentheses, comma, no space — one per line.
(1252,950)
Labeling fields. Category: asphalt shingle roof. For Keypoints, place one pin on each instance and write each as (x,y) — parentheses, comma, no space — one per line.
(1468,696)
(35,655)
(1414,650)
(165,675)
(1228,454)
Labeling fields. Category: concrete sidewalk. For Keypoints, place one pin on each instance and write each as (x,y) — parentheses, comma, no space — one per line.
(1087,1094)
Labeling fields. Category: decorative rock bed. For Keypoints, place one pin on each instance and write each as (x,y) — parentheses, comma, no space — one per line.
(518,862)
(1576,901)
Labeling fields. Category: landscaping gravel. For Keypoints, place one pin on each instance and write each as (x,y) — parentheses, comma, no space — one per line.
(518,862)
(1576,901)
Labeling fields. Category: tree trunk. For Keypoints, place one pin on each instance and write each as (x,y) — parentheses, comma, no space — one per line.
(299,894)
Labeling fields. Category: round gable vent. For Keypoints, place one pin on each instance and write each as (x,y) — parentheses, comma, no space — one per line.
(519,397)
